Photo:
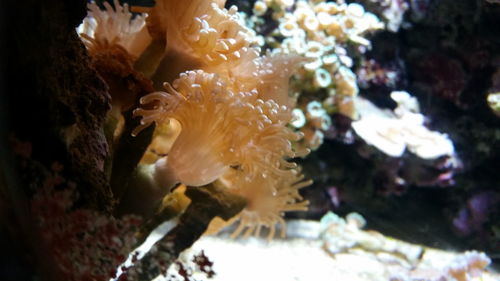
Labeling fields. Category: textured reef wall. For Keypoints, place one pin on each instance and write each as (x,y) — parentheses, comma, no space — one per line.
(120,119)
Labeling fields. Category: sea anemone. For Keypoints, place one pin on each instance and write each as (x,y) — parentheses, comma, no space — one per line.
(274,75)
(268,144)
(269,74)
(219,128)
(112,27)
(218,35)
(115,38)
(235,137)
(203,30)
(199,35)
(267,200)
(204,109)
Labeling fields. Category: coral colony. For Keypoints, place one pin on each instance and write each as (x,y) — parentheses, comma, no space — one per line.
(230,101)
(223,108)
(228,104)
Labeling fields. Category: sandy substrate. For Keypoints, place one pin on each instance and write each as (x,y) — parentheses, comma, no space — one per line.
(306,259)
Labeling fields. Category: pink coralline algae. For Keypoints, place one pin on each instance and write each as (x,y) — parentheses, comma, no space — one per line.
(84,244)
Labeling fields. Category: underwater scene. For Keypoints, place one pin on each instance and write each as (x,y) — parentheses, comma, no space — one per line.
(242,140)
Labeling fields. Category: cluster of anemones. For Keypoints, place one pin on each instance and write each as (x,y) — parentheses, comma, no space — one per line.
(233,137)
(226,121)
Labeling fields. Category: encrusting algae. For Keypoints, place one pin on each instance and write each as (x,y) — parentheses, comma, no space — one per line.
(225,118)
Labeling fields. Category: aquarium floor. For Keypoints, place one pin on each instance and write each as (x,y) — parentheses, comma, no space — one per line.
(305,258)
